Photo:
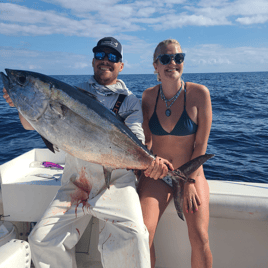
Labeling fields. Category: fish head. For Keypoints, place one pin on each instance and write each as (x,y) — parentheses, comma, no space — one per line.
(29,92)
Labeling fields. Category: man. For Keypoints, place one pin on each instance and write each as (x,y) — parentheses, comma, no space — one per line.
(123,237)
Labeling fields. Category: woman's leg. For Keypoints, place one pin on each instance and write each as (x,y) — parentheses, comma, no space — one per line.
(198,227)
(155,195)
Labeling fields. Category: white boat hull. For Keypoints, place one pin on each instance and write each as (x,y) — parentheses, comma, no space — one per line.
(238,227)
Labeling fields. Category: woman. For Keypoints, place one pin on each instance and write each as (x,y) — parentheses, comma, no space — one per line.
(177,122)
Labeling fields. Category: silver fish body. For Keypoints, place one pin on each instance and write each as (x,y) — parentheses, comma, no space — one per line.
(77,123)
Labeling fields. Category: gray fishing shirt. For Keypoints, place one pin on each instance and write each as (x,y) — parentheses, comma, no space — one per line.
(130,109)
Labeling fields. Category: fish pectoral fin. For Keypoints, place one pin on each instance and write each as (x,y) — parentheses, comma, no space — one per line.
(48,144)
(182,173)
(107,175)
(58,108)
(178,198)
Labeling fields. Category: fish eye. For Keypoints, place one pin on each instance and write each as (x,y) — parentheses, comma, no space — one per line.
(21,80)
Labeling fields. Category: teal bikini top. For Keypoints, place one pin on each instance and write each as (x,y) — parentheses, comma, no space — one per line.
(185,125)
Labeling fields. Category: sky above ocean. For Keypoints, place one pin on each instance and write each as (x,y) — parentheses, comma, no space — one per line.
(57,37)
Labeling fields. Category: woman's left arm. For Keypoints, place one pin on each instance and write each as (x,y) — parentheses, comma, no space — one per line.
(204,120)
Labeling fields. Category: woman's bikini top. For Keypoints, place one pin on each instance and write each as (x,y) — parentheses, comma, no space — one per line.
(185,125)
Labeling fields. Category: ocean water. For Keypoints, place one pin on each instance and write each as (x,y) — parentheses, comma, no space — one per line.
(239,134)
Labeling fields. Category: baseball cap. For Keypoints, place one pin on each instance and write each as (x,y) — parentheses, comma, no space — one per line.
(109,42)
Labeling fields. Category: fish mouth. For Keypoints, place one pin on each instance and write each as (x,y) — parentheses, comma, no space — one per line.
(6,80)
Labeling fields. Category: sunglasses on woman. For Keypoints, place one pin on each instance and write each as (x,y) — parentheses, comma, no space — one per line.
(111,56)
(166,58)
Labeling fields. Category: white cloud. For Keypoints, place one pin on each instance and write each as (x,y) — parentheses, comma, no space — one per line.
(203,58)
(208,58)
(130,66)
(146,12)
(83,6)
(217,58)
(213,3)
(18,13)
(79,65)
(48,62)
(25,21)
(222,12)
(34,67)
(252,20)
(252,8)
(124,19)
(85,18)
(181,20)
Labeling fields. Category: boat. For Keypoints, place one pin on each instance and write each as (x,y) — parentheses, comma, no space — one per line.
(238,228)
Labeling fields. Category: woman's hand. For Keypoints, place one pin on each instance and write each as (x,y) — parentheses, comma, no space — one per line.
(158,168)
(191,200)
(7,98)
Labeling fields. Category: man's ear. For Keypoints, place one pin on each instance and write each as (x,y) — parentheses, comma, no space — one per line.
(93,62)
(121,67)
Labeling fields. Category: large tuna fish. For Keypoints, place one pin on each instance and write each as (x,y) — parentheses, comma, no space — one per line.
(74,121)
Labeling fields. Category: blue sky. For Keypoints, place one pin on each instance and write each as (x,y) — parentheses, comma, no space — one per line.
(57,37)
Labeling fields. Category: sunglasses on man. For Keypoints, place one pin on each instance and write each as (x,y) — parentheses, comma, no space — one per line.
(111,56)
(166,58)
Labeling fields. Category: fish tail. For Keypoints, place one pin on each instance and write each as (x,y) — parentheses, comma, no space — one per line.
(180,176)
(178,198)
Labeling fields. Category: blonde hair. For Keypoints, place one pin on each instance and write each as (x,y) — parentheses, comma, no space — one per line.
(157,51)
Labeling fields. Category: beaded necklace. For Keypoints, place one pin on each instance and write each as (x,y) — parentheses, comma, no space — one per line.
(172,100)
